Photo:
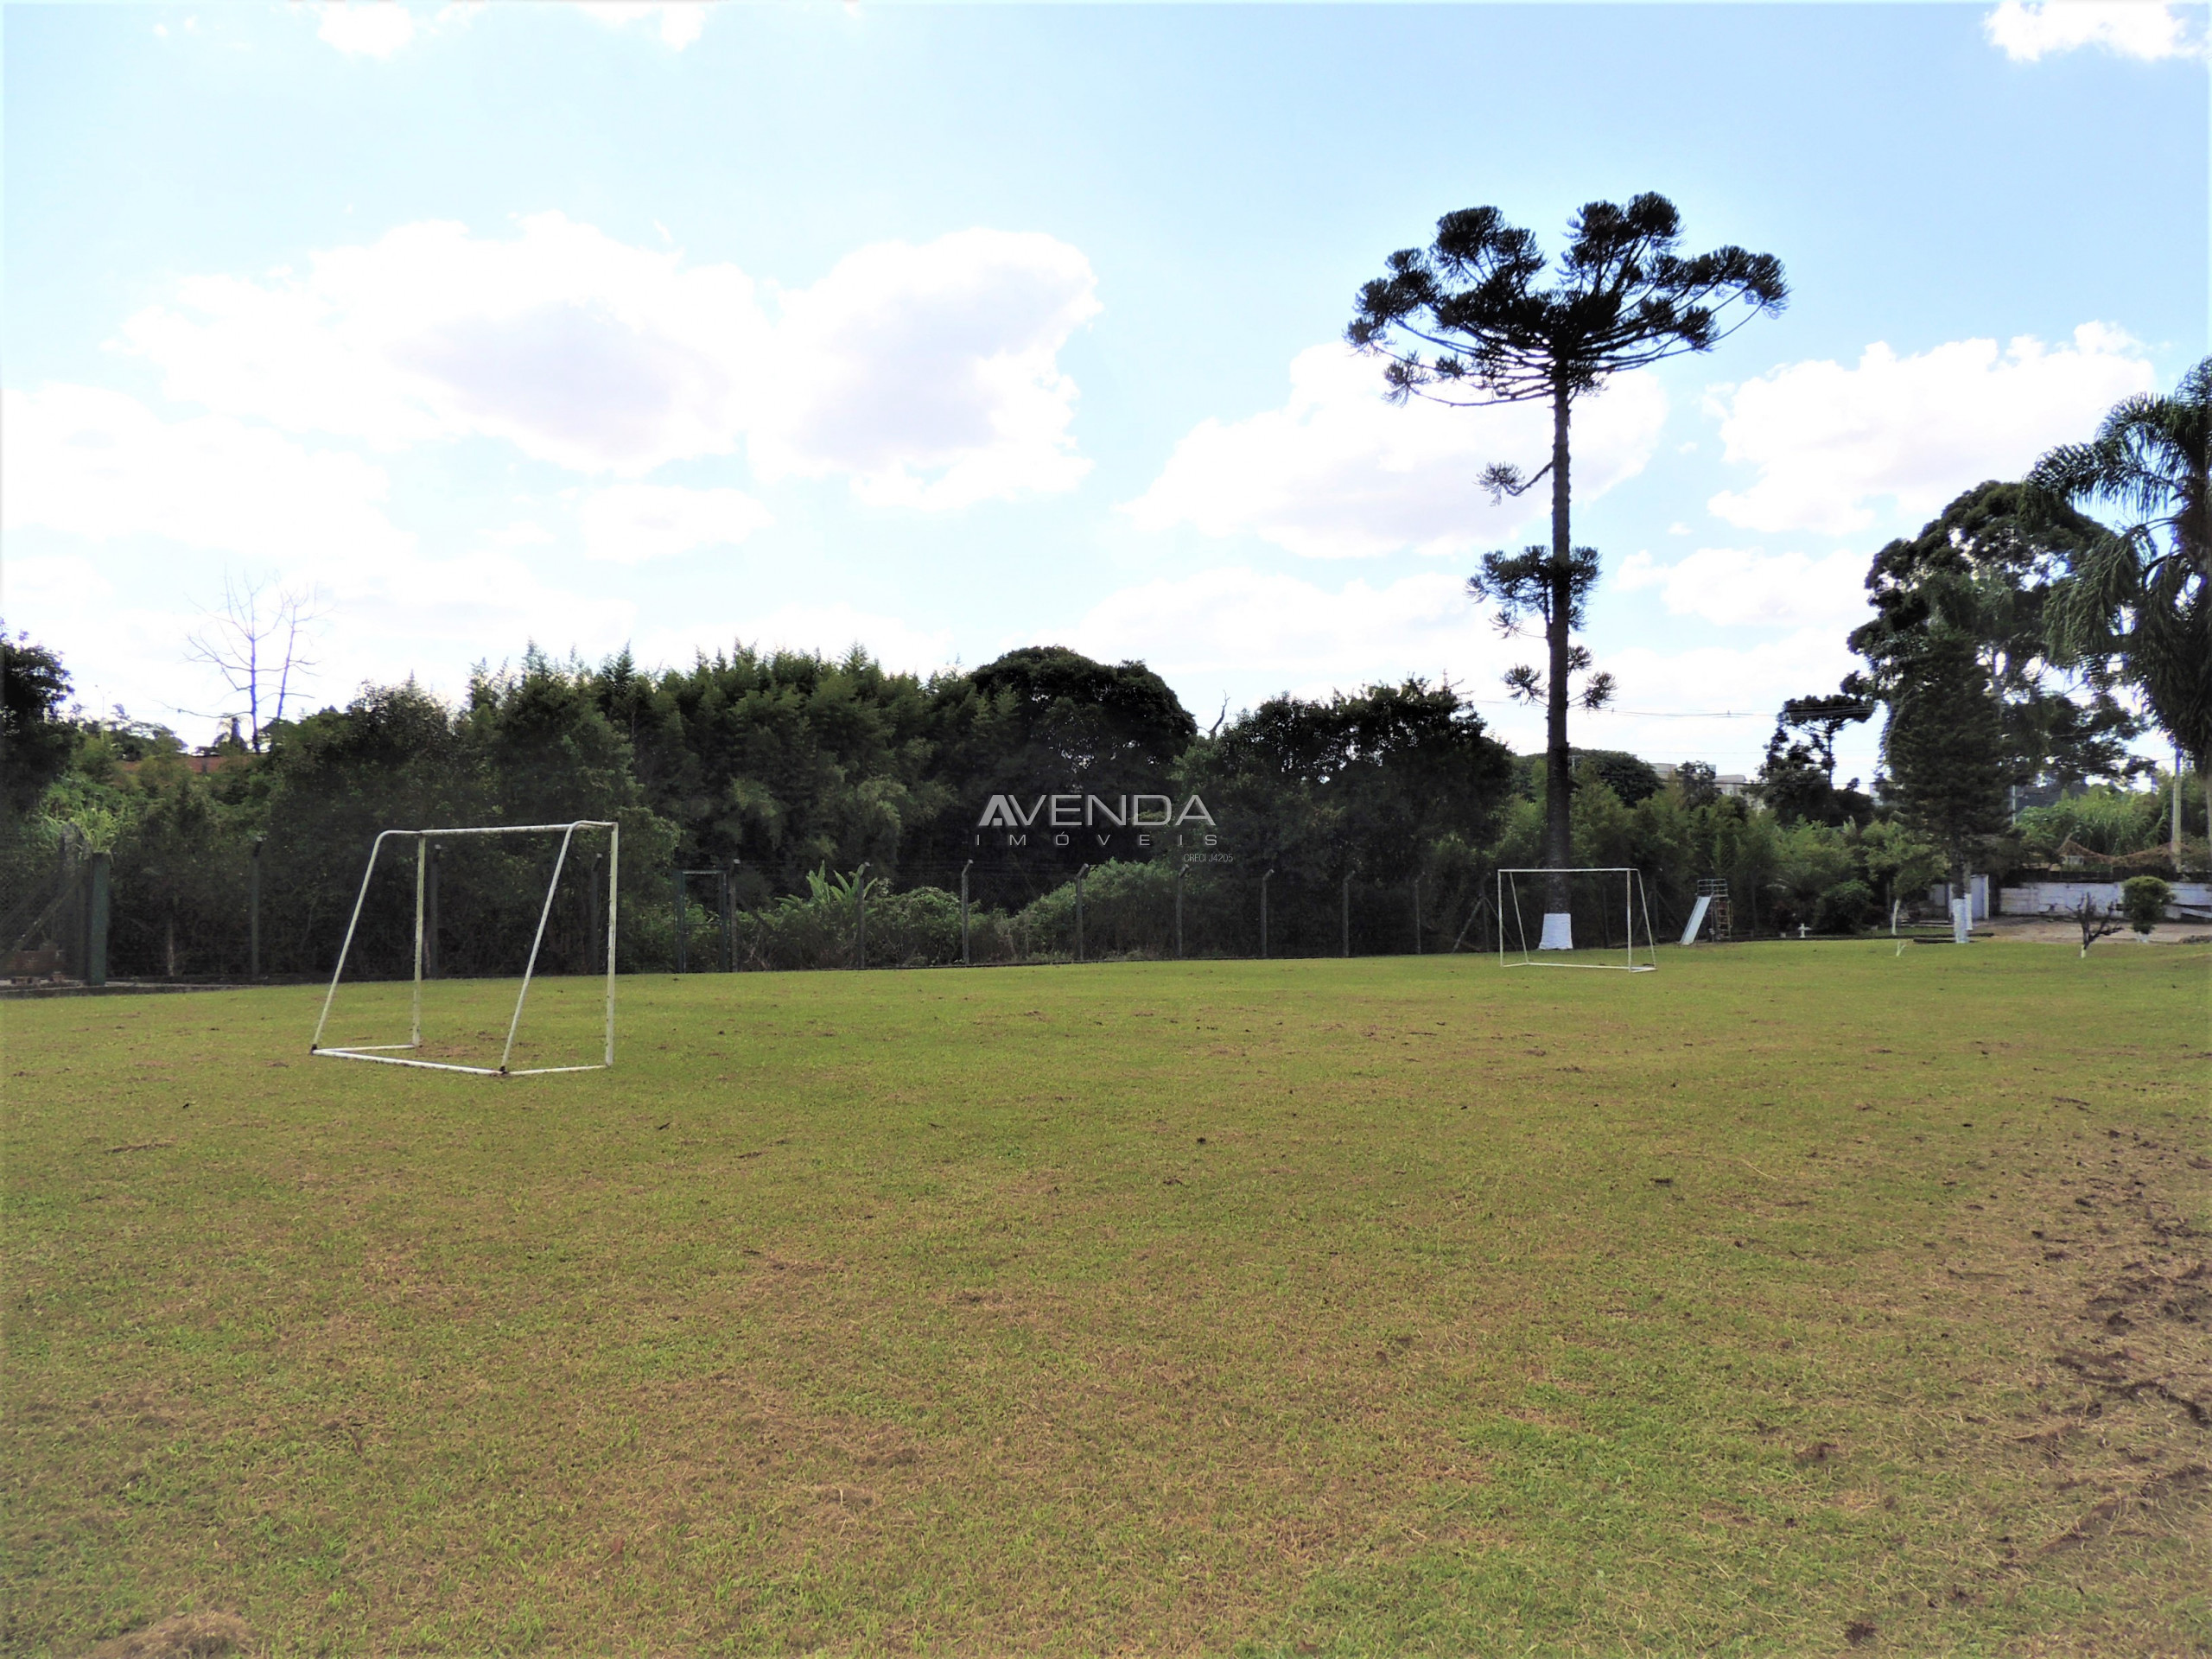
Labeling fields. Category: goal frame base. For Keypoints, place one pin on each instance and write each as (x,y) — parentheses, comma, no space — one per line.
(386,1053)
(1636,901)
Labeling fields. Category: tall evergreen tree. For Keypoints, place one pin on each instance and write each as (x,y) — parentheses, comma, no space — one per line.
(1465,323)
(1987,568)
(1945,748)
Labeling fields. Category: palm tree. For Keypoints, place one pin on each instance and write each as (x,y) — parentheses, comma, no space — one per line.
(2140,596)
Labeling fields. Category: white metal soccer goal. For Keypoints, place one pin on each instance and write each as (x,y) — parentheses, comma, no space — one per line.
(389,1053)
(1540,914)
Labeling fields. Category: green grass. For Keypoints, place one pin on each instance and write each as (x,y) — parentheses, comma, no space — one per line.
(1380,1307)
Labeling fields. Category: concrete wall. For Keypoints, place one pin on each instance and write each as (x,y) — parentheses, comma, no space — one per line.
(1977,887)
(2192,900)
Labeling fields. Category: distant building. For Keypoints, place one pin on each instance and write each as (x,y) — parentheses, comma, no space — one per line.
(1728,783)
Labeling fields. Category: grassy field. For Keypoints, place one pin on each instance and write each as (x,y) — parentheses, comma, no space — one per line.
(1796,1298)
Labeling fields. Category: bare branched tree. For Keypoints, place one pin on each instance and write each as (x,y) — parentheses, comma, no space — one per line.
(2096,922)
(260,642)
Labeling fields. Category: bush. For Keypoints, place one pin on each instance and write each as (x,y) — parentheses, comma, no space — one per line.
(1843,908)
(2114,822)
(1129,910)
(2143,901)
(915,929)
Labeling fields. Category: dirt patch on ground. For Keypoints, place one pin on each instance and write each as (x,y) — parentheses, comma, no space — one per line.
(2061,929)
(2126,1393)
(182,1635)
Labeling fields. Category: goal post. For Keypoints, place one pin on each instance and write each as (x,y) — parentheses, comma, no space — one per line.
(1590,917)
(408,1053)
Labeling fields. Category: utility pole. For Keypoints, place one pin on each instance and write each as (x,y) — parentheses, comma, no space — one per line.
(1347,913)
(1179,911)
(730,917)
(96,907)
(1079,911)
(1264,880)
(1416,915)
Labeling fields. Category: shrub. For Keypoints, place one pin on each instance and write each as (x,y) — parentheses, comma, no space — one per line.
(2143,901)
(2102,819)
(1843,908)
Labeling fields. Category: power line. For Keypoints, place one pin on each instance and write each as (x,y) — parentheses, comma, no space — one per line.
(1641,714)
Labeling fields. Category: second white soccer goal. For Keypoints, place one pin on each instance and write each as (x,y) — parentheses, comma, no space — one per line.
(1591,917)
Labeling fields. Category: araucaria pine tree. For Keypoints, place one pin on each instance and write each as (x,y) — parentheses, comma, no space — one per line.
(1945,748)
(1463,322)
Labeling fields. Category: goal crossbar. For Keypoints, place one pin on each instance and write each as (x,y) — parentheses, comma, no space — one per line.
(1634,901)
(384,1053)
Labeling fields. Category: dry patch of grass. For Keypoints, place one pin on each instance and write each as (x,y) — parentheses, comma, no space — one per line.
(1788,1300)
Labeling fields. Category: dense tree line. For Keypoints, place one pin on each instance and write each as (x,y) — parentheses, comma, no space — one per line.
(1376,818)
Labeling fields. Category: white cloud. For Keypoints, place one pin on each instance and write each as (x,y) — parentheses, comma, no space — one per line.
(928,376)
(369,29)
(678,22)
(1744,587)
(1829,440)
(378,29)
(2130,28)
(1247,623)
(631,523)
(96,464)
(521,533)
(1337,472)
(391,619)
(575,348)
(1672,704)
(931,374)
(42,582)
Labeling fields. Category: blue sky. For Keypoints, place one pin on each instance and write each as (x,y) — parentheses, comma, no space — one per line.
(949,329)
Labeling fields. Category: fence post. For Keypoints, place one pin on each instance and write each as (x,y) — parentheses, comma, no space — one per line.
(682,924)
(1079,911)
(1179,910)
(1264,880)
(860,917)
(966,960)
(67,876)
(253,910)
(96,901)
(1346,924)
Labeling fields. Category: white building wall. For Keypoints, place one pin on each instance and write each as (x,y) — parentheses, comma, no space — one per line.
(2192,900)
